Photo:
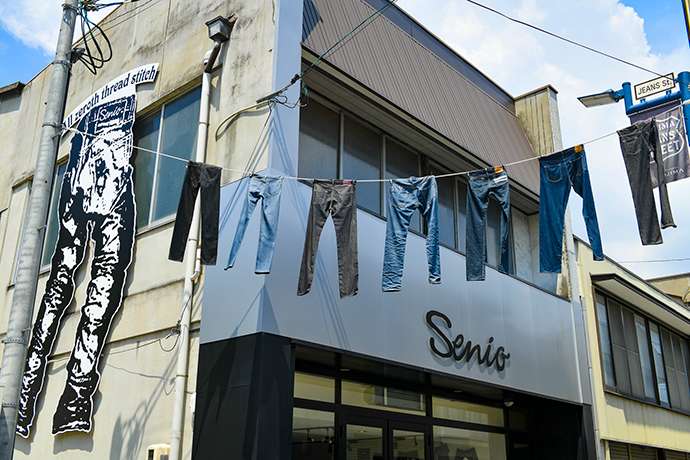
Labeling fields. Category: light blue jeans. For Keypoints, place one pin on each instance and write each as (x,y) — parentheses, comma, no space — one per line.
(405,196)
(268,190)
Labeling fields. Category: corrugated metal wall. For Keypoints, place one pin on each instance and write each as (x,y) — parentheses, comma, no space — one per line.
(385,57)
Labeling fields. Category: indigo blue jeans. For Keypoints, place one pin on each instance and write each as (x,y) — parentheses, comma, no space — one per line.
(266,189)
(558,174)
(481,186)
(405,196)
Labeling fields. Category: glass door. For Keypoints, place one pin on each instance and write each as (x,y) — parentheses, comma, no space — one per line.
(363,439)
(408,441)
(379,439)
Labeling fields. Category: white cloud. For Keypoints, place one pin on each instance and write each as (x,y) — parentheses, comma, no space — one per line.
(36,24)
(520,59)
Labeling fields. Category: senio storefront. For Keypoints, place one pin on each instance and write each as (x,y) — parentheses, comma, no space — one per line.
(476,370)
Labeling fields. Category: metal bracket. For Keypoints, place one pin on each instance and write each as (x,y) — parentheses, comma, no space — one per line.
(21,340)
(62,62)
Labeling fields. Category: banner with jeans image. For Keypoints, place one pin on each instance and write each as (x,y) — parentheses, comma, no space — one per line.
(96,205)
(673,141)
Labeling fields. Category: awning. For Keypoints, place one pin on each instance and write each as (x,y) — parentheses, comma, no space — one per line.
(651,301)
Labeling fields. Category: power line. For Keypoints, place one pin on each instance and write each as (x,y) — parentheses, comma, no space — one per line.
(651,261)
(567,40)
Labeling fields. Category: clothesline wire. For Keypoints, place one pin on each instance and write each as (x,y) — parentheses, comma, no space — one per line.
(244,173)
(567,40)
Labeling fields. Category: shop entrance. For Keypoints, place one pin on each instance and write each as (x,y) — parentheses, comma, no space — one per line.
(367,438)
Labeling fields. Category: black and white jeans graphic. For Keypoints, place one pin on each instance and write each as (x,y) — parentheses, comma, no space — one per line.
(96,205)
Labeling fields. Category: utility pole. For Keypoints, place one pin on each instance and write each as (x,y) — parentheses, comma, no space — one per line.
(24,295)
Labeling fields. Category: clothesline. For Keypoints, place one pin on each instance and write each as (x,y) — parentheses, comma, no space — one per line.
(244,173)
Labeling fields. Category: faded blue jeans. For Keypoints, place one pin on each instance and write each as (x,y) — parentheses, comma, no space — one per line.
(481,186)
(268,190)
(558,174)
(405,196)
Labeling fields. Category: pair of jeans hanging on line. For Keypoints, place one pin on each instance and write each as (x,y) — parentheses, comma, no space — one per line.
(404,198)
(559,173)
(481,186)
(207,178)
(336,198)
(268,190)
(639,145)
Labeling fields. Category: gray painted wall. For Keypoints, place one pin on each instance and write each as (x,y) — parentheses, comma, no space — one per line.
(534,326)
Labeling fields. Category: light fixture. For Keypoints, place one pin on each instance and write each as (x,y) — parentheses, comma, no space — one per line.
(607,97)
(219,28)
(508,403)
(344,369)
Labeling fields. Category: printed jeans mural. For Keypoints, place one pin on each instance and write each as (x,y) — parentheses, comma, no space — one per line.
(96,204)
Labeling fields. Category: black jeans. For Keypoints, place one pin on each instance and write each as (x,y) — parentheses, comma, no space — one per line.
(639,144)
(207,178)
(336,198)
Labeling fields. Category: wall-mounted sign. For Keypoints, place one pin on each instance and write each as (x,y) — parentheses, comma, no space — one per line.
(655,86)
(118,87)
(96,206)
(459,347)
(672,138)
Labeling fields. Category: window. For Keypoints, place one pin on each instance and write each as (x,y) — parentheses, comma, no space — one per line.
(640,358)
(314,387)
(362,160)
(158,180)
(401,163)
(605,342)
(382,398)
(319,137)
(645,357)
(336,144)
(53,226)
(662,387)
(457,443)
(462,411)
(313,434)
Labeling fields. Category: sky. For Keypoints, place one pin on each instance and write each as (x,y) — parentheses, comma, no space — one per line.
(649,33)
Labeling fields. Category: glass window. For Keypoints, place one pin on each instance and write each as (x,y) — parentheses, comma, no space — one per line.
(158,179)
(659,364)
(446,208)
(53,227)
(462,215)
(364,442)
(462,411)
(382,398)
(408,445)
(313,434)
(315,387)
(605,342)
(362,160)
(402,163)
(456,443)
(645,357)
(318,141)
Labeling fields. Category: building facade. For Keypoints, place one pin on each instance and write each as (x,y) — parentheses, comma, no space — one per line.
(638,341)
(274,375)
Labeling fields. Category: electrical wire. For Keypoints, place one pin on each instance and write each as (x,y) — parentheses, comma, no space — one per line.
(652,261)
(567,40)
(92,55)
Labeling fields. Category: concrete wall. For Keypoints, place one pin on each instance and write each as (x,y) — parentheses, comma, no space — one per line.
(134,403)
(622,419)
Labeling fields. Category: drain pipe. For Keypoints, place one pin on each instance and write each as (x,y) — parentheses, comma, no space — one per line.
(219,30)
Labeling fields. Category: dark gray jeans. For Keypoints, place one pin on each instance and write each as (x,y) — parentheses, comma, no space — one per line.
(335,198)
(639,144)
